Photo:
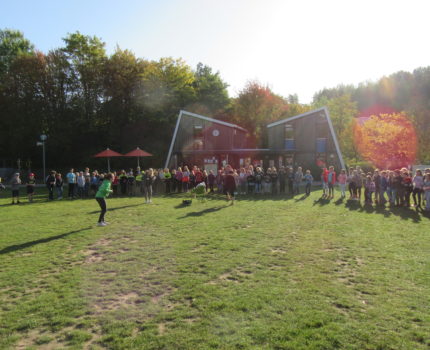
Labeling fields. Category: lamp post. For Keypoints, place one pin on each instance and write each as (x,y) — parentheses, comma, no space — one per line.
(43,138)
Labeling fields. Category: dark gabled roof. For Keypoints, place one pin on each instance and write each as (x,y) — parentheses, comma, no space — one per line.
(213,120)
(323,109)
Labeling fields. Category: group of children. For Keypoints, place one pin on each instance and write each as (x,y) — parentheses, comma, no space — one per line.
(380,187)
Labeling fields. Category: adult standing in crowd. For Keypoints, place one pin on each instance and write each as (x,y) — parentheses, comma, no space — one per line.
(50,183)
(71,180)
(15,184)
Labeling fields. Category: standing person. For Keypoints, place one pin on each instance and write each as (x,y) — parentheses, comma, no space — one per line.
(298,178)
(331,181)
(398,188)
(282,177)
(359,182)
(219,181)
(407,188)
(324,182)
(250,179)
(230,186)
(308,182)
(369,189)
(173,180)
(31,184)
(87,176)
(59,186)
(351,183)
(356,178)
(274,179)
(290,178)
(418,182)
(15,184)
(267,182)
(383,188)
(50,183)
(178,177)
(123,182)
(115,183)
(426,188)
(167,180)
(130,183)
(342,178)
(377,181)
(185,179)
(71,180)
(103,192)
(148,182)
(211,181)
(139,181)
(80,182)
(258,179)
(242,181)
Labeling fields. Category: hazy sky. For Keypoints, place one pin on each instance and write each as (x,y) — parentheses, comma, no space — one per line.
(292,46)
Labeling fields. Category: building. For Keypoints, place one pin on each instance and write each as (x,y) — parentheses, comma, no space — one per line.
(306,140)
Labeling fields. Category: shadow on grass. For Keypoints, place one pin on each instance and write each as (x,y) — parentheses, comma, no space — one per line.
(404,213)
(203,212)
(322,201)
(16,247)
(116,208)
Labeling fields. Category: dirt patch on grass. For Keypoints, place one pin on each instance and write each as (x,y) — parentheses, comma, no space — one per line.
(116,302)
(161,328)
(92,256)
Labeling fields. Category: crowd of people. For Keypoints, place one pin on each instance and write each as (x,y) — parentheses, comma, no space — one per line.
(395,187)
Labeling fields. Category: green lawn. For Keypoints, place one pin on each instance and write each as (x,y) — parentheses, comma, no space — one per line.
(266,273)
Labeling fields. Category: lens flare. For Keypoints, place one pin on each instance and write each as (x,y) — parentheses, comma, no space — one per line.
(388,141)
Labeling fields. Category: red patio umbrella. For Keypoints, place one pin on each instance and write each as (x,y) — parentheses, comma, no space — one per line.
(107,153)
(138,153)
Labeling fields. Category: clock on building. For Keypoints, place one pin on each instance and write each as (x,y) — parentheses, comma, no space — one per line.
(215,132)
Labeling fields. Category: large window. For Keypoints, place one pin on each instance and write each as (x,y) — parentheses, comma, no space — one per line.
(198,137)
(289,143)
(321,145)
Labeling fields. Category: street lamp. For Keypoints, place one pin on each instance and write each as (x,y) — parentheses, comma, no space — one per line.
(43,138)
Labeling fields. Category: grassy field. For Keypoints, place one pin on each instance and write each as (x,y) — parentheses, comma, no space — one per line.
(266,273)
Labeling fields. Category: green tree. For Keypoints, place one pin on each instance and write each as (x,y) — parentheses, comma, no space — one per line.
(12,44)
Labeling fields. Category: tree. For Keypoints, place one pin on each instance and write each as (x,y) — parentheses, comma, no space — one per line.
(211,91)
(12,45)
(387,140)
(255,107)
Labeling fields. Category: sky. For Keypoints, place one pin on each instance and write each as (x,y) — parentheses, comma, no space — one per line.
(294,47)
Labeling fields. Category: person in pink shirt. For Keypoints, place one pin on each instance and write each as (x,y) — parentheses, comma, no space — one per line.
(342,182)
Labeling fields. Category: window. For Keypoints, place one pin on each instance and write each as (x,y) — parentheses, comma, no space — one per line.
(198,137)
(321,145)
(289,143)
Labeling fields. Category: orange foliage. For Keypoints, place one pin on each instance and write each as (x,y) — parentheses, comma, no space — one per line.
(388,141)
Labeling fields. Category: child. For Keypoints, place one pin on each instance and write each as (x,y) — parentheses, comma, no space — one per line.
(418,182)
(148,182)
(324,182)
(426,188)
(267,181)
(308,182)
(211,181)
(50,183)
(103,192)
(15,184)
(342,182)
(369,189)
(59,186)
(331,177)
(80,182)
(230,186)
(250,179)
(298,178)
(31,184)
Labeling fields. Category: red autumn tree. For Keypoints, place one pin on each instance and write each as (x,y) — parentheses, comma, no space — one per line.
(388,141)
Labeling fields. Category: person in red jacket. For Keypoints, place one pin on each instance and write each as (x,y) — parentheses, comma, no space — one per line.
(324,181)
(331,177)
